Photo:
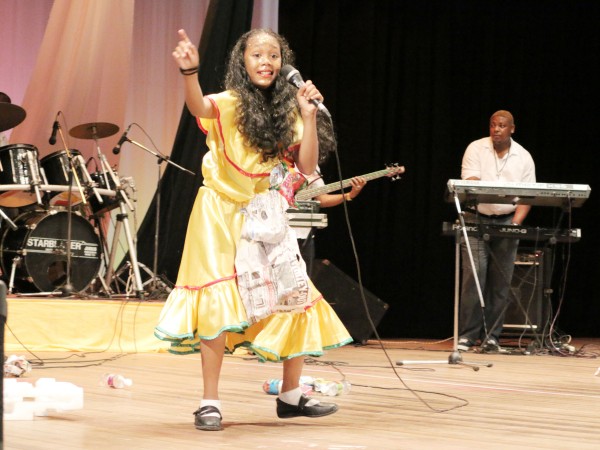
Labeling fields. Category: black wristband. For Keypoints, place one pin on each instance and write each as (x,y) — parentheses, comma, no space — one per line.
(190,71)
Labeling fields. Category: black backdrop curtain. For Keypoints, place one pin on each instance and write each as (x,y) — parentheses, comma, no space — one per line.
(226,21)
(414,83)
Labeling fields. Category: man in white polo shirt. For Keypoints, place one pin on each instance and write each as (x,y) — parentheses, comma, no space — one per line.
(494,158)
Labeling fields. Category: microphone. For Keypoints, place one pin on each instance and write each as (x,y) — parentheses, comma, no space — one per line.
(55,126)
(293,77)
(123,139)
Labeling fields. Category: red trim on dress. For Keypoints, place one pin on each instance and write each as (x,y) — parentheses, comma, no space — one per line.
(197,288)
(220,127)
(205,131)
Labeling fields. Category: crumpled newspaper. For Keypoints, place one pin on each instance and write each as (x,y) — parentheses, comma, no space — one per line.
(15,366)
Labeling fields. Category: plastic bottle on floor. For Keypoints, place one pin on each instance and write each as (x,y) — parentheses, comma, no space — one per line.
(272,386)
(115,380)
(307,380)
(307,384)
(321,385)
(344,387)
(332,388)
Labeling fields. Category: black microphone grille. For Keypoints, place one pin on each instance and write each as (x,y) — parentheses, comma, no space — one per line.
(287,71)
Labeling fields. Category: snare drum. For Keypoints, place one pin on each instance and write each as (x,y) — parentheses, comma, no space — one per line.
(40,240)
(56,168)
(18,166)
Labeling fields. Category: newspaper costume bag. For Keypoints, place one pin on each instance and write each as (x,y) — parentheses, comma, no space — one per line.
(265,219)
(271,274)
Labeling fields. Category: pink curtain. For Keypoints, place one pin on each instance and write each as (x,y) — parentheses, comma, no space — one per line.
(155,89)
(21,33)
(102,61)
(81,70)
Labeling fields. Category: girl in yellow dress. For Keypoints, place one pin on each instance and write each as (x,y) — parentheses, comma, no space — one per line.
(258,123)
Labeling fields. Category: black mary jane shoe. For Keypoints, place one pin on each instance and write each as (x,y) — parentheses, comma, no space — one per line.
(287,411)
(208,423)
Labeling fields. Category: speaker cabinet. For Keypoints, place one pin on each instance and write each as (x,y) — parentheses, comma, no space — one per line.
(343,294)
(527,313)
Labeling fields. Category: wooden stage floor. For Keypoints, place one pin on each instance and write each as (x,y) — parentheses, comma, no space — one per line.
(537,401)
(522,401)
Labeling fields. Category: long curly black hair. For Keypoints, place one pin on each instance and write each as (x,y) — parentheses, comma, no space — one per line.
(266,117)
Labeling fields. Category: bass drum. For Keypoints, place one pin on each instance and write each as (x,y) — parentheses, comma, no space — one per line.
(40,241)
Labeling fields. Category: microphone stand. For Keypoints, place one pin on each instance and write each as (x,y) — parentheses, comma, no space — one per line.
(455,357)
(156,227)
(67,288)
(160,158)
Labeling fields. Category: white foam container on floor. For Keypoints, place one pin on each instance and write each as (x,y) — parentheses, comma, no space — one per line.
(24,401)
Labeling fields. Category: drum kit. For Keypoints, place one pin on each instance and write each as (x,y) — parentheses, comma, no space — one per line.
(55,242)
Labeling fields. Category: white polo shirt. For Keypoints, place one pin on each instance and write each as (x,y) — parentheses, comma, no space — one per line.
(480,161)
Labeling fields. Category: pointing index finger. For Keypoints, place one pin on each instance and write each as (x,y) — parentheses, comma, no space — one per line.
(184,35)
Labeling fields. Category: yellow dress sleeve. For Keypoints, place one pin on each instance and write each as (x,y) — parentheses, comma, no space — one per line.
(230,166)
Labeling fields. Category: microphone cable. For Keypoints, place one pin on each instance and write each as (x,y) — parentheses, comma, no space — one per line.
(366,308)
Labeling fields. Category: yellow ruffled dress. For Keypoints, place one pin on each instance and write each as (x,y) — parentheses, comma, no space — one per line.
(205,301)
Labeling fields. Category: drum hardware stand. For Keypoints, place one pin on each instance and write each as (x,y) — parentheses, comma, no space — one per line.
(8,220)
(83,131)
(106,170)
(117,278)
(105,254)
(13,269)
(127,267)
(105,287)
(160,158)
(455,357)
(122,218)
(88,179)
(11,284)
(163,286)
(103,242)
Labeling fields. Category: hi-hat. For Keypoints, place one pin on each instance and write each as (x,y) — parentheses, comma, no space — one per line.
(94,130)
(10,116)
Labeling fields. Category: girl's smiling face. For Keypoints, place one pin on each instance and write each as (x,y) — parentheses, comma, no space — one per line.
(262,59)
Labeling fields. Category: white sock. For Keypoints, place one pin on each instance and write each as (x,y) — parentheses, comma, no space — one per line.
(215,403)
(291,397)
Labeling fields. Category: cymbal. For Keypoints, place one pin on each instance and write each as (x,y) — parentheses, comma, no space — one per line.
(94,130)
(10,116)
